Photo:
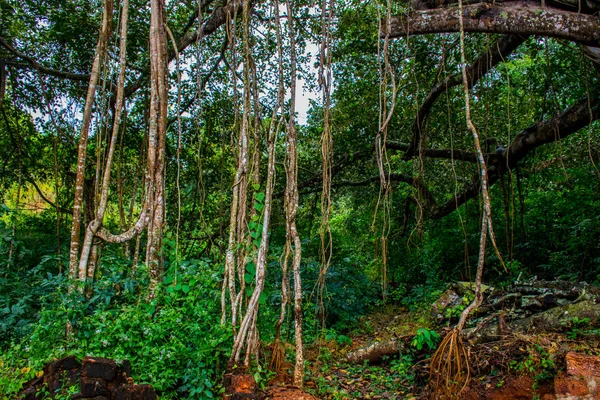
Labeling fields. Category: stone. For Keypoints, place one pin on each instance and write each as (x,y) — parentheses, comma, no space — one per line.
(57,366)
(91,387)
(531,302)
(448,299)
(243,383)
(570,387)
(66,363)
(125,368)
(29,394)
(582,365)
(134,392)
(98,367)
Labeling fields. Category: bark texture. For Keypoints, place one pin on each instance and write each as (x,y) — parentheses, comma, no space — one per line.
(508,18)
(100,55)
(157,137)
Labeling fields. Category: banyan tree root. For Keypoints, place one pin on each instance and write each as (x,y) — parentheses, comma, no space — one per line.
(449,369)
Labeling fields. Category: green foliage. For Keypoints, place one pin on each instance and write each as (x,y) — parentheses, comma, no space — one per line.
(580,327)
(425,338)
(539,363)
(454,312)
(175,342)
(339,339)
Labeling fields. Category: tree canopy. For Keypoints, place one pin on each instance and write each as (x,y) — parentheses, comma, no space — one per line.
(157,153)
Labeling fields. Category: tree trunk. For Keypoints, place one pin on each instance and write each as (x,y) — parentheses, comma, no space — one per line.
(93,226)
(100,55)
(157,137)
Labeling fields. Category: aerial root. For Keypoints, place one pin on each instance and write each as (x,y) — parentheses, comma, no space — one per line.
(449,371)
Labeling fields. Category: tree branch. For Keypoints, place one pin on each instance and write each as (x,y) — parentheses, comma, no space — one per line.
(516,17)
(30,179)
(486,61)
(568,122)
(31,63)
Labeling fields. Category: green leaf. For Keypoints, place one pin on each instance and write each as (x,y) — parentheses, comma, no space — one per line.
(260,196)
(251,268)
(248,278)
(258,206)
(185,288)
(262,299)
(256,186)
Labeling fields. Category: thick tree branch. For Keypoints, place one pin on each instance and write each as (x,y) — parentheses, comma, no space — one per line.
(32,63)
(516,17)
(496,54)
(568,122)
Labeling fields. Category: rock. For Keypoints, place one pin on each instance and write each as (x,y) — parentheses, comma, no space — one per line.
(582,379)
(531,302)
(582,365)
(98,378)
(463,287)
(553,320)
(243,383)
(91,387)
(515,388)
(571,387)
(374,352)
(28,394)
(240,386)
(98,367)
(124,368)
(449,299)
(66,363)
(134,392)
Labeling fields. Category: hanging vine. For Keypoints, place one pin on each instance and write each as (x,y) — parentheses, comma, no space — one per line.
(325,82)
(386,77)
(293,244)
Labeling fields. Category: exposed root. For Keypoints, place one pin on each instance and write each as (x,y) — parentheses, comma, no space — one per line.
(449,370)
(277,357)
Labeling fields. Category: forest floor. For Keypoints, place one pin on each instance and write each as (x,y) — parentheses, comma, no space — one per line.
(331,376)
(517,367)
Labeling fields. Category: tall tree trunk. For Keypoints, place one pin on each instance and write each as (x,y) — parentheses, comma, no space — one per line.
(157,138)
(100,55)
(93,226)
(291,203)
